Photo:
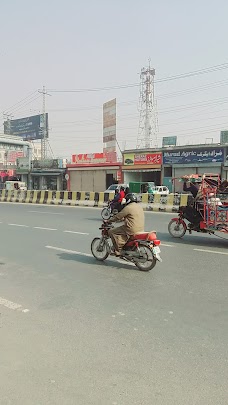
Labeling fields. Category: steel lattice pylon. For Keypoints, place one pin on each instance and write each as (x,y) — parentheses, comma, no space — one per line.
(148,128)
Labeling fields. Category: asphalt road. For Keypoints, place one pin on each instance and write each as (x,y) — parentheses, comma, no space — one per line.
(74,331)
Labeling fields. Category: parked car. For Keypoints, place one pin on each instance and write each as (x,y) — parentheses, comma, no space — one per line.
(113,187)
(163,190)
(15,185)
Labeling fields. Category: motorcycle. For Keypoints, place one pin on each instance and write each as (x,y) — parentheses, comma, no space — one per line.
(141,249)
(108,212)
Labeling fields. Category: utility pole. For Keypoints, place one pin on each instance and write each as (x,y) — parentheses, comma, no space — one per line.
(44,129)
(147,132)
(8,118)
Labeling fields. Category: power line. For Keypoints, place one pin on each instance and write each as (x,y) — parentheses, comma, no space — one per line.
(29,102)
(134,102)
(19,102)
(76,132)
(195,73)
(125,86)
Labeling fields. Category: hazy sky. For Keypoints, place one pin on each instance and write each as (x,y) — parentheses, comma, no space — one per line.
(75,44)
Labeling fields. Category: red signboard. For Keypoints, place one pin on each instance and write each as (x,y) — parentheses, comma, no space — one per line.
(89,158)
(94,158)
(13,155)
(148,159)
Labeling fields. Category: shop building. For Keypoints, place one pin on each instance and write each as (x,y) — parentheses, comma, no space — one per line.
(92,172)
(142,166)
(174,162)
(92,177)
(196,159)
(48,174)
(11,148)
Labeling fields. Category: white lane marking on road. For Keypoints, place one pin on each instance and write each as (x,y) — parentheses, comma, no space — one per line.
(46,229)
(164,244)
(46,212)
(211,251)
(78,233)
(69,251)
(12,305)
(23,226)
(74,252)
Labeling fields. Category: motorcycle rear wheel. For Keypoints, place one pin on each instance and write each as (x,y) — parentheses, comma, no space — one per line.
(147,261)
(106,213)
(100,249)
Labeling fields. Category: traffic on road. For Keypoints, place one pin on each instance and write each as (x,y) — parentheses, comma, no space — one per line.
(68,319)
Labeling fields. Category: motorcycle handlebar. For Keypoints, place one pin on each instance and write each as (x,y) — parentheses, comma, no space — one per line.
(106,225)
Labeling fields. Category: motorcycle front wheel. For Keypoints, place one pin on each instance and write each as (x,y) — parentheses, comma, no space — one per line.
(176,228)
(147,261)
(106,213)
(100,249)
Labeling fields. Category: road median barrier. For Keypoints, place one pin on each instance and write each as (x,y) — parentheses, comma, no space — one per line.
(150,202)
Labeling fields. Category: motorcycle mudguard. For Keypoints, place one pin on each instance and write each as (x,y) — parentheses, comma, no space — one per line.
(181,221)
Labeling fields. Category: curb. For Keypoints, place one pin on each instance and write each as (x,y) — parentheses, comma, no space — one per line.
(160,203)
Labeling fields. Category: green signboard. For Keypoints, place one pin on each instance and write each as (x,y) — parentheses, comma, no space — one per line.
(224,137)
(169,141)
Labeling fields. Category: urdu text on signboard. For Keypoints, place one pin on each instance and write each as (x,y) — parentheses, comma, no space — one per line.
(131,159)
(28,128)
(202,155)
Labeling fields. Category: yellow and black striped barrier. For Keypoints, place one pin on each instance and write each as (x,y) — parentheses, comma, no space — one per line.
(150,202)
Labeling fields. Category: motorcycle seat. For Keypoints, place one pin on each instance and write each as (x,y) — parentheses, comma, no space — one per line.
(144,236)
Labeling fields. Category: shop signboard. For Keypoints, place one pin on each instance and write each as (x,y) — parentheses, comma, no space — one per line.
(45,164)
(224,137)
(23,164)
(132,159)
(13,155)
(226,158)
(89,158)
(199,155)
(169,141)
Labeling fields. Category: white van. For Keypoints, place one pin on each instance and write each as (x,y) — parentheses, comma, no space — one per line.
(15,185)
(113,187)
(163,190)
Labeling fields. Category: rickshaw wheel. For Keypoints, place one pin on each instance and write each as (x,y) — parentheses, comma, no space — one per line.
(176,228)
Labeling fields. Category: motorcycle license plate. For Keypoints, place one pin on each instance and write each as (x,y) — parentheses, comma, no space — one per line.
(156,250)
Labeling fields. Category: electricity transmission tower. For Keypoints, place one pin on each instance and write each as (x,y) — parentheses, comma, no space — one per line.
(148,128)
(45,146)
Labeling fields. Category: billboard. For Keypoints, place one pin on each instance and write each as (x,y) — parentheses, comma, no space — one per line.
(132,159)
(224,137)
(169,141)
(109,129)
(89,158)
(201,155)
(45,164)
(23,164)
(28,128)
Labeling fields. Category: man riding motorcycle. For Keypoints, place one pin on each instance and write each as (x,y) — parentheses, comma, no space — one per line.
(117,201)
(133,217)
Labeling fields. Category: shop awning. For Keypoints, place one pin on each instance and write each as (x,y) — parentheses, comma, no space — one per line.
(142,170)
(47,174)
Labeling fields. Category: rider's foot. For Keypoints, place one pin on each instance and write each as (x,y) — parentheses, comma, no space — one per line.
(115,252)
